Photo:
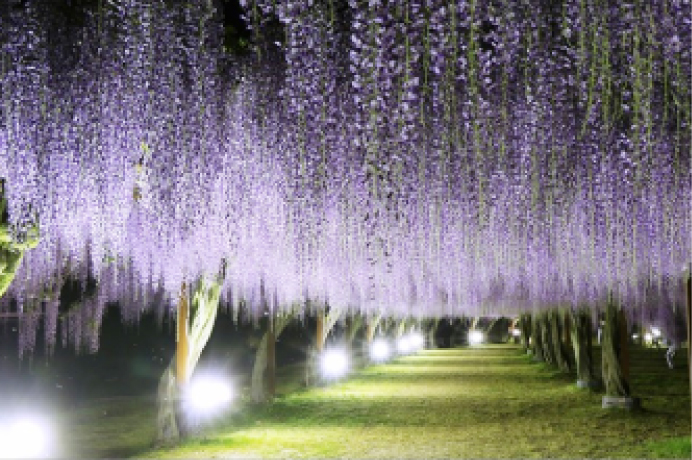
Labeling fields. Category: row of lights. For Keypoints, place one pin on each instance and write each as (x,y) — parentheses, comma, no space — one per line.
(206,395)
(335,362)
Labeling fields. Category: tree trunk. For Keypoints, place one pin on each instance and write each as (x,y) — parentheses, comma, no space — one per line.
(270,372)
(325,323)
(615,365)
(355,323)
(525,322)
(400,328)
(689,328)
(167,432)
(319,332)
(581,341)
(432,343)
(537,336)
(257,390)
(547,339)
(371,328)
(559,351)
(263,380)
(170,422)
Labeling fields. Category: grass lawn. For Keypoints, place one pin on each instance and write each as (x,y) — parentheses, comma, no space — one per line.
(472,402)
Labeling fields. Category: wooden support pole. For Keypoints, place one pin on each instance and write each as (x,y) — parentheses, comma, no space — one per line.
(182,346)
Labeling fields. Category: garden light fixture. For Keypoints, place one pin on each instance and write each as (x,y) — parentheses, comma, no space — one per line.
(475,337)
(334,363)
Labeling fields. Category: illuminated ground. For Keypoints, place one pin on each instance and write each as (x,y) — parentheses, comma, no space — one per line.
(483,402)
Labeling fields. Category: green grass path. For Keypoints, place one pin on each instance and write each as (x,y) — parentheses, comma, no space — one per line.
(471,402)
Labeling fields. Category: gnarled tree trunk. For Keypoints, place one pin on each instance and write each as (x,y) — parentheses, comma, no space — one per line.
(547,339)
(325,323)
(581,332)
(559,351)
(432,331)
(262,387)
(170,420)
(615,359)
(525,325)
(537,336)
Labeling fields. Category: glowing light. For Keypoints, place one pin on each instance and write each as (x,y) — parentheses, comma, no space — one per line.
(475,337)
(208,394)
(379,350)
(656,332)
(516,332)
(334,363)
(635,336)
(648,337)
(416,340)
(403,345)
(25,437)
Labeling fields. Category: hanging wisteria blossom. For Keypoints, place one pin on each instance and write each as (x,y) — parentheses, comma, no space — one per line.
(406,157)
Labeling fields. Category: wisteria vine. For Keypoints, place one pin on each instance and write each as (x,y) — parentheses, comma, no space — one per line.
(404,157)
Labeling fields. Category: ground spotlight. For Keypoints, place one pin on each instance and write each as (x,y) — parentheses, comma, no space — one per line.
(207,394)
(516,332)
(475,337)
(403,345)
(656,332)
(26,436)
(379,350)
(416,340)
(334,363)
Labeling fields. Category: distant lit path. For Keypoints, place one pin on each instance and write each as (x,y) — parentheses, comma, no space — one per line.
(480,402)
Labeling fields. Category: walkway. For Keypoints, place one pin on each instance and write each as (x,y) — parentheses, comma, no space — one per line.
(470,402)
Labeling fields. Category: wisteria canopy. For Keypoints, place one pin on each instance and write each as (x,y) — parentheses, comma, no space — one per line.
(407,157)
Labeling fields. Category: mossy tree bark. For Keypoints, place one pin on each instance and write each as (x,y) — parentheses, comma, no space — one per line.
(615,357)
(204,307)
(582,336)
(263,381)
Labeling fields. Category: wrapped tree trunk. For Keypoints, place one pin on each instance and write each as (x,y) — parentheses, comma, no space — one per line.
(582,335)
(170,422)
(263,381)
(525,324)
